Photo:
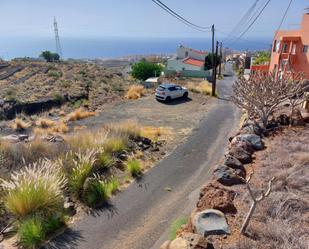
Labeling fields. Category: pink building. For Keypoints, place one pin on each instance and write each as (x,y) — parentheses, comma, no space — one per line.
(290,50)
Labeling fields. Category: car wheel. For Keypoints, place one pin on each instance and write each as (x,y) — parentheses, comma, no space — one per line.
(185,95)
(168,99)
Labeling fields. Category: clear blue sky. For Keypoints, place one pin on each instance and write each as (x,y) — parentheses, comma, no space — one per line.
(136,18)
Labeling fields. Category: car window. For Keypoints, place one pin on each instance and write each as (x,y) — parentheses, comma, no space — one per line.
(172,88)
(161,88)
(178,87)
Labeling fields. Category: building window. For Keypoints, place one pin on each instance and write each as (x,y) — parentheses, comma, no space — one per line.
(186,54)
(294,49)
(305,48)
(275,46)
(285,48)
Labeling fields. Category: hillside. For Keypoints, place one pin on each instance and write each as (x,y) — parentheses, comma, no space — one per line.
(51,84)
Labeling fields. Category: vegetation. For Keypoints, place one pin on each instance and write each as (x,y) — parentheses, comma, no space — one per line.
(134,167)
(95,192)
(36,188)
(80,114)
(113,185)
(176,225)
(115,144)
(262,58)
(135,92)
(144,70)
(19,125)
(208,61)
(203,87)
(49,56)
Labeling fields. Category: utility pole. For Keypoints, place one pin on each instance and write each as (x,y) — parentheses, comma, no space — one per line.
(213,61)
(220,59)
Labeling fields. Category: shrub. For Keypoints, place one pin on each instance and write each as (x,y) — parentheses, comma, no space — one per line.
(31,232)
(113,185)
(115,144)
(80,114)
(37,187)
(19,124)
(135,92)
(45,122)
(143,70)
(176,225)
(95,192)
(134,167)
(82,168)
(105,160)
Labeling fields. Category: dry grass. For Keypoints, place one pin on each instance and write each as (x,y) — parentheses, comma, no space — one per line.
(281,221)
(19,125)
(154,133)
(128,128)
(135,92)
(203,87)
(58,127)
(79,114)
(45,123)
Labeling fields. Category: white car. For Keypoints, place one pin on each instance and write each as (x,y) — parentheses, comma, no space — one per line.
(167,92)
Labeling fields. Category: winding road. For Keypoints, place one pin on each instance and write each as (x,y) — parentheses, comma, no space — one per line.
(140,216)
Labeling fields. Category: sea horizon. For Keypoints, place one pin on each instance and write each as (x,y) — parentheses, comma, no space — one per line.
(114,47)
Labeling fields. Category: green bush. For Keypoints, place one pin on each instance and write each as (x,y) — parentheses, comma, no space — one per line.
(95,192)
(113,185)
(115,144)
(105,160)
(31,232)
(176,226)
(144,70)
(36,188)
(134,167)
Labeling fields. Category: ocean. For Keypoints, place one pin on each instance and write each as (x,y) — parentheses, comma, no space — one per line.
(80,48)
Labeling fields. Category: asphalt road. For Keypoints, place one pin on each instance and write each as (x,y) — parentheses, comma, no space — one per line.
(140,216)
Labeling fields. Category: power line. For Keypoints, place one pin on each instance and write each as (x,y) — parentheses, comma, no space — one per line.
(284,15)
(251,24)
(181,18)
(242,21)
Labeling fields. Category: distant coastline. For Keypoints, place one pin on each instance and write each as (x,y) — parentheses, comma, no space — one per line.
(112,48)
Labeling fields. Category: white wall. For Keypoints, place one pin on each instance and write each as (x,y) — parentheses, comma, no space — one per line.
(178,65)
(181,54)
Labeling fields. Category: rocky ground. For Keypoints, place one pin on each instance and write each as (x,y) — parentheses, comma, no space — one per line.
(278,155)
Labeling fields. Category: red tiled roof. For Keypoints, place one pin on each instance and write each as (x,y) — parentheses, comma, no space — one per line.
(193,62)
(199,51)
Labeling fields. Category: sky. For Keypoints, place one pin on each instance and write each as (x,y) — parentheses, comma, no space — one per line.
(138,18)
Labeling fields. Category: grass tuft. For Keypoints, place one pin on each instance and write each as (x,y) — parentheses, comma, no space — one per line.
(115,145)
(36,188)
(80,114)
(31,232)
(96,192)
(105,160)
(134,167)
(176,225)
(83,166)
(113,185)
(126,128)
(19,125)
(135,92)
(45,123)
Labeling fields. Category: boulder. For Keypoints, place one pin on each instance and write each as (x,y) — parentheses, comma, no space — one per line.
(233,162)
(242,155)
(254,140)
(251,128)
(228,176)
(211,222)
(214,196)
(179,243)
(297,118)
(197,241)
(242,144)
(16,138)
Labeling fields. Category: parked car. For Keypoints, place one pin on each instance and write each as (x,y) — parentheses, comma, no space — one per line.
(167,92)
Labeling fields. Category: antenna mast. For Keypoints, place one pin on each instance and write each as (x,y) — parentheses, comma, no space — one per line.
(58,45)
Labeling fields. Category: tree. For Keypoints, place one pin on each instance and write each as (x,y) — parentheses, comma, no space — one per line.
(208,61)
(49,56)
(262,58)
(144,70)
(262,93)
(255,201)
